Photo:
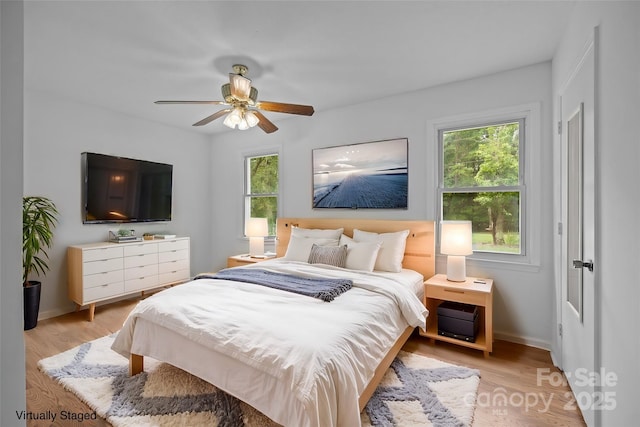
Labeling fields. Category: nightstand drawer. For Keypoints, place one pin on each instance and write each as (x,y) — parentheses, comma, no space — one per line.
(458,295)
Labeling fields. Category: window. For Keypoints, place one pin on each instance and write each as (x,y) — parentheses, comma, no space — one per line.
(481,180)
(261,189)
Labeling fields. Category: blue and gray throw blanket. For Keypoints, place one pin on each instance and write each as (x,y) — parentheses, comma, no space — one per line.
(321,288)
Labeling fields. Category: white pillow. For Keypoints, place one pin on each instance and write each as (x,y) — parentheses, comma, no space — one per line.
(360,255)
(392,250)
(317,232)
(299,247)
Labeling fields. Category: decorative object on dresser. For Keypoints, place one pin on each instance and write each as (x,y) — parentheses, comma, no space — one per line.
(473,291)
(101,271)
(123,236)
(256,229)
(39,218)
(456,243)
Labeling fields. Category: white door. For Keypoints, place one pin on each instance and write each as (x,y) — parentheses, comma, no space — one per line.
(578,242)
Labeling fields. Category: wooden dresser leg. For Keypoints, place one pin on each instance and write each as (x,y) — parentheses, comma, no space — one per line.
(92,311)
(136,364)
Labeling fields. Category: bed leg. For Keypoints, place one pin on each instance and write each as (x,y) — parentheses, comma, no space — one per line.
(136,364)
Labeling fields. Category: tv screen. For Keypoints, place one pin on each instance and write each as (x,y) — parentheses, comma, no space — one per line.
(118,189)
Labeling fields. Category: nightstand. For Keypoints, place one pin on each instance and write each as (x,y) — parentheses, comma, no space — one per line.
(438,289)
(244,259)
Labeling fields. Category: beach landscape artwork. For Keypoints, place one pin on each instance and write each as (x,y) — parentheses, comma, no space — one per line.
(371,175)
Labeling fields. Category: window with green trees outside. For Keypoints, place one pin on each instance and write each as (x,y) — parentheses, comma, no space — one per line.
(261,189)
(481,181)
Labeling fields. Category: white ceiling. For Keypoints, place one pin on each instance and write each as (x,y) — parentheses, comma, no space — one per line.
(124,55)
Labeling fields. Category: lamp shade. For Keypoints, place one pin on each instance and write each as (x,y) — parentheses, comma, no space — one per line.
(256,227)
(455,238)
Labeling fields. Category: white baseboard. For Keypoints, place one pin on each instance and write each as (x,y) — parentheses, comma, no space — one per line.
(531,342)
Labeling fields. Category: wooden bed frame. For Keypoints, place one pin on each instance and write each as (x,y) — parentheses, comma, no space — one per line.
(419,255)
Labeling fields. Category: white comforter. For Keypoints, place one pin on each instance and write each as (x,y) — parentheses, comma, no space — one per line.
(326,352)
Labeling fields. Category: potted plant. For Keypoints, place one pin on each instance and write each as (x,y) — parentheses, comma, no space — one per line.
(39,218)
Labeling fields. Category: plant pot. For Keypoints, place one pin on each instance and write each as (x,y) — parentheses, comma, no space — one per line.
(31,304)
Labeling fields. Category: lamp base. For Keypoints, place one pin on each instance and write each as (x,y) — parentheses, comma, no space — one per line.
(256,246)
(456,268)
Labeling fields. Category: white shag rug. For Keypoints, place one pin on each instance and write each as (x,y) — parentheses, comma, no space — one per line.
(416,391)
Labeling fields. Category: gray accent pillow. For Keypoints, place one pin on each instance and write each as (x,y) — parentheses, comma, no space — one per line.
(330,255)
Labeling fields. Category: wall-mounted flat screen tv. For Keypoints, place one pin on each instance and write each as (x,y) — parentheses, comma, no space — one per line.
(118,189)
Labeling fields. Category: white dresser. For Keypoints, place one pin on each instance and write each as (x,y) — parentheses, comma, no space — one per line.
(101,271)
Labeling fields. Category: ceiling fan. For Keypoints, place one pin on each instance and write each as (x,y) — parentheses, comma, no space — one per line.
(244,108)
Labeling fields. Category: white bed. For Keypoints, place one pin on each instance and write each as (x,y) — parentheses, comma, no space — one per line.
(322,359)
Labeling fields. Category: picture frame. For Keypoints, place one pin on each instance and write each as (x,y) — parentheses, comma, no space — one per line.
(368,175)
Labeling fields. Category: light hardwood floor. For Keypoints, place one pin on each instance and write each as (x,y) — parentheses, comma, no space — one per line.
(514,388)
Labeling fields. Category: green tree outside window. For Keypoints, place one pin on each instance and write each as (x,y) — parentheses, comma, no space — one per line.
(482,182)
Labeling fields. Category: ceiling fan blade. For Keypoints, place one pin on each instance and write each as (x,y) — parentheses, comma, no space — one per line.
(264,123)
(191,102)
(212,117)
(240,86)
(279,107)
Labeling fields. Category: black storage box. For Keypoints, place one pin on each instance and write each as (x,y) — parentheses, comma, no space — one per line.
(457,320)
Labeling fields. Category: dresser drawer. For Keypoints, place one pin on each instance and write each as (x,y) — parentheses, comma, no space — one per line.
(101,266)
(174,276)
(173,245)
(141,283)
(104,278)
(140,260)
(97,254)
(142,271)
(173,255)
(458,295)
(103,292)
(139,249)
(169,266)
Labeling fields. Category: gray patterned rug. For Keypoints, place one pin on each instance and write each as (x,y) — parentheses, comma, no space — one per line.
(416,391)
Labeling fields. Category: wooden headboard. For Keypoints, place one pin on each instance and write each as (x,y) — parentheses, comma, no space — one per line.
(419,254)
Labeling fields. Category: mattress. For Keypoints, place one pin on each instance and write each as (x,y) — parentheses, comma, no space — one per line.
(256,342)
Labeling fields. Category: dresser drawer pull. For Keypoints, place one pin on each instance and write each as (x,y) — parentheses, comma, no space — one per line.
(454,291)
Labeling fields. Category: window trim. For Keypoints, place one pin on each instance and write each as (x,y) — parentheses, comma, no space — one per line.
(520,187)
(530,160)
(245,184)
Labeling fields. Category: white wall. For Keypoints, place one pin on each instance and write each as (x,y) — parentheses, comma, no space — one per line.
(523,296)
(618,204)
(12,360)
(58,130)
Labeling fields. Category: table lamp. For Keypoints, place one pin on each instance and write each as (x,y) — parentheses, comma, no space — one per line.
(256,229)
(455,242)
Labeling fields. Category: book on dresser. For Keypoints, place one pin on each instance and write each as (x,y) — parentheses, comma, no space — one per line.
(104,270)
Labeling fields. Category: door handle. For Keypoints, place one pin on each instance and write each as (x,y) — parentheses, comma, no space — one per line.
(583,264)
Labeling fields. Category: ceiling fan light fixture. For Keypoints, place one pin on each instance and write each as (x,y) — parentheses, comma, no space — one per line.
(233,118)
(242,118)
(251,118)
